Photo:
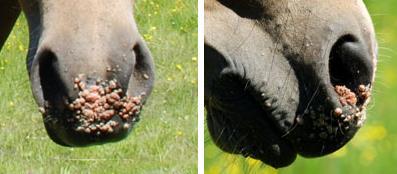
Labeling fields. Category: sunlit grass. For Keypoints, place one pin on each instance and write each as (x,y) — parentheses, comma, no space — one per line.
(372,150)
(165,140)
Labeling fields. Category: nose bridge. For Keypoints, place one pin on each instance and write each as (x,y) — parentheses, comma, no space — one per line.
(92,47)
(94,27)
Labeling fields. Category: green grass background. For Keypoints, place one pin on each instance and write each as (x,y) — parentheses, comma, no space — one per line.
(165,140)
(373,149)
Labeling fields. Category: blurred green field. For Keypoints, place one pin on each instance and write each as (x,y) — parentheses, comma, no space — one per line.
(373,149)
(165,140)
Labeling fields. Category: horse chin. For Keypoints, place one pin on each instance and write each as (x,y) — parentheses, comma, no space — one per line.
(67,135)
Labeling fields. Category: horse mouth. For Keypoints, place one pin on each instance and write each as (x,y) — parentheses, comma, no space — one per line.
(262,128)
(102,112)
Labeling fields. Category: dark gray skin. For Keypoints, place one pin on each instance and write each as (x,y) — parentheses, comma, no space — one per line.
(72,37)
(270,71)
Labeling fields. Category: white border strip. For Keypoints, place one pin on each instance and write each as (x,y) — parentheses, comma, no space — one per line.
(200,83)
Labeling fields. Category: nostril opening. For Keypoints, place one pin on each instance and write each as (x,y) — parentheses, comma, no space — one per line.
(141,72)
(139,62)
(50,81)
(340,71)
(142,69)
(349,63)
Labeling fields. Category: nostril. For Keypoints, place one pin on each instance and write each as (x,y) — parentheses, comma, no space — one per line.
(143,65)
(141,76)
(52,86)
(350,63)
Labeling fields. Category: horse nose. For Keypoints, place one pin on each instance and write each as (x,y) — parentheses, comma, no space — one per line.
(86,104)
(350,63)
